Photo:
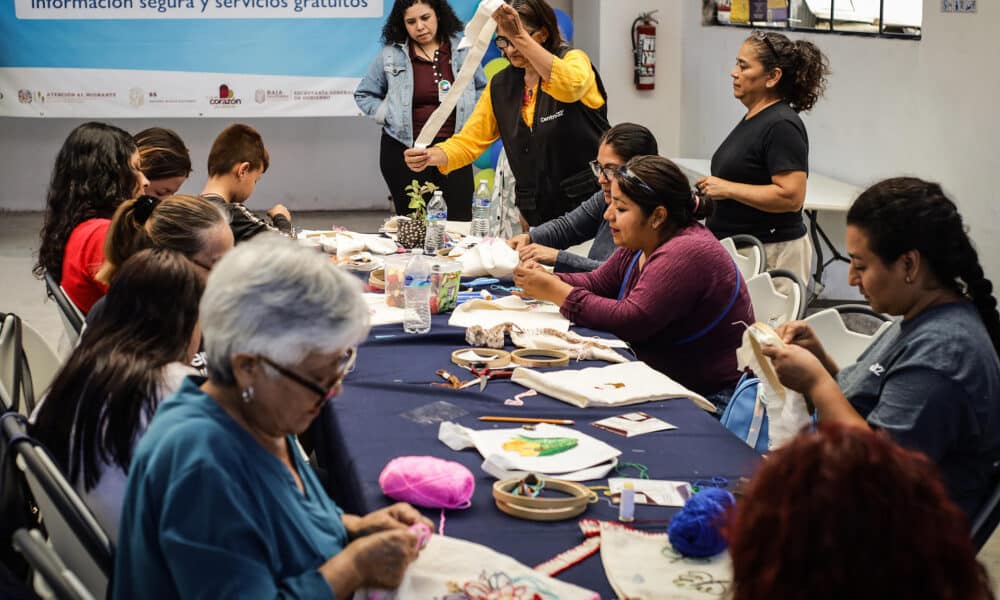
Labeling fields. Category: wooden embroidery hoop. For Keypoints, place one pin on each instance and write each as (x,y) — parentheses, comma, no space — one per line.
(758,333)
(542,509)
(528,357)
(494,358)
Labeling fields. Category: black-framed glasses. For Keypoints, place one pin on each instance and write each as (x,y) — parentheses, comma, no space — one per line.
(598,169)
(629,176)
(760,34)
(346,364)
(503,42)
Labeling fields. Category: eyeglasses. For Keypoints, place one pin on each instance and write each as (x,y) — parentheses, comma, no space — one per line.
(503,43)
(758,34)
(346,364)
(608,171)
(629,176)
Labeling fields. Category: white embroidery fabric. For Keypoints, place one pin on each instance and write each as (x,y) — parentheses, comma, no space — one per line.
(453,569)
(622,384)
(641,565)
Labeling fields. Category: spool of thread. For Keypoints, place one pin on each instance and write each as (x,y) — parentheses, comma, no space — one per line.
(695,530)
(626,506)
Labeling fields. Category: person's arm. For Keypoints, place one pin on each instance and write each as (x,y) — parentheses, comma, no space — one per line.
(575,227)
(568,262)
(604,281)
(509,25)
(785,193)
(281,218)
(800,370)
(244,223)
(479,131)
(370,93)
(572,79)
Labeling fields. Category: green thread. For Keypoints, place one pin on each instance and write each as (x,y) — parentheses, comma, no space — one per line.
(641,468)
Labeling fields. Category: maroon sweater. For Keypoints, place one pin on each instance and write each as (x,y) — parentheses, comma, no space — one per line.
(683,287)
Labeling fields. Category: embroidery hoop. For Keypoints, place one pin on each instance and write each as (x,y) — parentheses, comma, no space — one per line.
(758,332)
(497,358)
(542,509)
(526,357)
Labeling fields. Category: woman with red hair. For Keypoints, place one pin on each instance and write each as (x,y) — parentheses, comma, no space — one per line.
(844,512)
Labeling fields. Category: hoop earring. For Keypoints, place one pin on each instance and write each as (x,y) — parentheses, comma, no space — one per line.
(247,394)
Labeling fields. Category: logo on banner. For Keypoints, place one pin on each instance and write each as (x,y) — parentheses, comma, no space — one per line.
(136,97)
(259,96)
(226,97)
(24,96)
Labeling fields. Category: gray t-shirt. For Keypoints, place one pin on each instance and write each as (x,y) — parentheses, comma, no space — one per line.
(575,227)
(933,382)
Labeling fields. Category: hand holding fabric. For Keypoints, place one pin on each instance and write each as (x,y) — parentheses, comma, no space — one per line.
(418,159)
(398,516)
(538,253)
(536,282)
(380,559)
(519,241)
(797,368)
(800,333)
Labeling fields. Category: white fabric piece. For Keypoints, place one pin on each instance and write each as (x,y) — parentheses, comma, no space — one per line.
(347,245)
(452,568)
(622,384)
(480,257)
(578,347)
(590,458)
(787,412)
(478,34)
(509,309)
(643,566)
(380,313)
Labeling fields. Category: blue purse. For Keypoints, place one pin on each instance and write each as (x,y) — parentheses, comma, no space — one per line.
(745,415)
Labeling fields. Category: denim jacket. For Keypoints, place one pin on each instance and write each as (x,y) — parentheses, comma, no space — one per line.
(386,92)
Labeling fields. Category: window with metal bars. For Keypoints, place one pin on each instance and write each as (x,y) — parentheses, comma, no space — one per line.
(874,18)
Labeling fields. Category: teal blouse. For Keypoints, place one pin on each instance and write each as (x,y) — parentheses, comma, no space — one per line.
(209,513)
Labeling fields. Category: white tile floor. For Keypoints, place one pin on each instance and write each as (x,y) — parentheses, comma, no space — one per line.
(25,295)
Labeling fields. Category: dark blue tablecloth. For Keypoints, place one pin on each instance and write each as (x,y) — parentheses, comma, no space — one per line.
(366,426)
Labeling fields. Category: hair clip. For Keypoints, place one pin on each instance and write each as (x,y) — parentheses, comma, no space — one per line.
(144,206)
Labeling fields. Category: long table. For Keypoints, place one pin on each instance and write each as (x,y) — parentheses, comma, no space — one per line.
(366,426)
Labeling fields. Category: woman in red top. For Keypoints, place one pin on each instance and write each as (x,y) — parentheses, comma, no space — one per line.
(96,169)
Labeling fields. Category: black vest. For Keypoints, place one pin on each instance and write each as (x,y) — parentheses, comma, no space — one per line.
(549,159)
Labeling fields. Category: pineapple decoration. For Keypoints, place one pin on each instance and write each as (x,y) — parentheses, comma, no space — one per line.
(412,232)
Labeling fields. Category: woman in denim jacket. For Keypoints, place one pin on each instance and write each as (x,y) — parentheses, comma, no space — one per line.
(406,83)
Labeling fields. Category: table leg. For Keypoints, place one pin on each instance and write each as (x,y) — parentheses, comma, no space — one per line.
(816,233)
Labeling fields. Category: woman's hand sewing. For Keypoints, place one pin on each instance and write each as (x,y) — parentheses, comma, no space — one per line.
(536,282)
(800,333)
(398,516)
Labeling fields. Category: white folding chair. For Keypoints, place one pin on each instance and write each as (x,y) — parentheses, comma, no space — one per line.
(71,316)
(843,345)
(41,361)
(60,582)
(750,263)
(771,306)
(73,532)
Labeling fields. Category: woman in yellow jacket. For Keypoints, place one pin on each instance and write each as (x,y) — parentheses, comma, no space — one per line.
(549,108)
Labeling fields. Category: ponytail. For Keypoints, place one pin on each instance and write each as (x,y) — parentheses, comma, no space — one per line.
(907,213)
(804,67)
(126,236)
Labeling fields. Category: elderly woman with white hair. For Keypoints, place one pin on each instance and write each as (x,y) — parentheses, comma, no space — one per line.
(220,501)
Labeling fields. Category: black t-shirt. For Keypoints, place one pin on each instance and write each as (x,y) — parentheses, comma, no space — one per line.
(772,141)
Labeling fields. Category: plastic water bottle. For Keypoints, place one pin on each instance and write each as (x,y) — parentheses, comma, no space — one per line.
(481,211)
(417,294)
(437,214)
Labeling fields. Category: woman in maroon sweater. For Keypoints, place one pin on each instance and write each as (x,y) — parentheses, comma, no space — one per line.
(670,290)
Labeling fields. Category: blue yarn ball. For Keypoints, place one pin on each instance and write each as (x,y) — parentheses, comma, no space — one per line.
(694,531)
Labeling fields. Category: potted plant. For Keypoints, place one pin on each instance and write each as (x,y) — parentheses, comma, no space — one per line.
(411,232)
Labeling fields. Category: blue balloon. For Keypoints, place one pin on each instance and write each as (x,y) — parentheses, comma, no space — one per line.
(491,52)
(494,152)
(565,25)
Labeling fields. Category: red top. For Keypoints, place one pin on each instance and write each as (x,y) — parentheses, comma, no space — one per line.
(684,286)
(83,257)
(427,74)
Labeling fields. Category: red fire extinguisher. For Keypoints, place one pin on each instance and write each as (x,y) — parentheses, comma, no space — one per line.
(644,50)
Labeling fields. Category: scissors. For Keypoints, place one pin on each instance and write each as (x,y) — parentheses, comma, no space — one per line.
(484,375)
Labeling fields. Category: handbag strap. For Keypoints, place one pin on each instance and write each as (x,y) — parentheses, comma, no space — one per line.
(22,388)
(757,421)
(628,274)
(725,311)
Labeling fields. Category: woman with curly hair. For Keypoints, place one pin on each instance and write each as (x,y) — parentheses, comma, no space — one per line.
(96,169)
(932,380)
(844,512)
(759,172)
(406,83)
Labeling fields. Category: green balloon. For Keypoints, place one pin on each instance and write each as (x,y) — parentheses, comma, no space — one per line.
(488,174)
(495,66)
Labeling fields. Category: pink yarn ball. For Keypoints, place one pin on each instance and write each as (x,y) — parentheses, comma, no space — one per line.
(428,481)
